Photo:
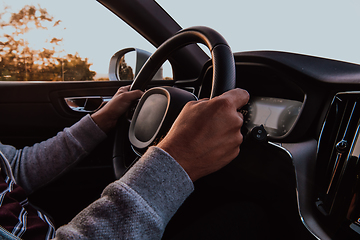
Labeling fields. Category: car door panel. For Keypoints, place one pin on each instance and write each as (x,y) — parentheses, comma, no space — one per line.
(33,112)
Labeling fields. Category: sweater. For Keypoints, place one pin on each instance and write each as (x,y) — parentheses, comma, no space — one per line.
(137,206)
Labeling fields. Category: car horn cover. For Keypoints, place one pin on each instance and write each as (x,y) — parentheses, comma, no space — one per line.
(154,115)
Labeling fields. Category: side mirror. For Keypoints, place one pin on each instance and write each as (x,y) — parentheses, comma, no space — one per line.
(127,63)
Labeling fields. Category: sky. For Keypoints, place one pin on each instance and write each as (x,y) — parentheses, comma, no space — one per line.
(325,28)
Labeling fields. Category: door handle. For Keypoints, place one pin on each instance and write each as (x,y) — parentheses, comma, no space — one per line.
(88,104)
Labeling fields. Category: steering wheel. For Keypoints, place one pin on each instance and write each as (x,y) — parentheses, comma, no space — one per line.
(159,106)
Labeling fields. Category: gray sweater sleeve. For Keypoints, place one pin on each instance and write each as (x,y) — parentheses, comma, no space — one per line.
(37,165)
(137,206)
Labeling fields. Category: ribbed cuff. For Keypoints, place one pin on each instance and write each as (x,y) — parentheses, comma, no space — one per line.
(88,133)
(161,182)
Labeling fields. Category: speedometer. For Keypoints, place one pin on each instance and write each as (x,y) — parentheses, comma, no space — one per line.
(275,114)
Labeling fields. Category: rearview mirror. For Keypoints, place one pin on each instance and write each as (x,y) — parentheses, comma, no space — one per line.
(127,63)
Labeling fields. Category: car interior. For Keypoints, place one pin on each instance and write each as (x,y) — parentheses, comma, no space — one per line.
(299,161)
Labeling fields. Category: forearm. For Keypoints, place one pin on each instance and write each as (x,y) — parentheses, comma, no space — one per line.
(41,163)
(138,206)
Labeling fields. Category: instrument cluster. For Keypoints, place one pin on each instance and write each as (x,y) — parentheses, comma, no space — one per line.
(277,115)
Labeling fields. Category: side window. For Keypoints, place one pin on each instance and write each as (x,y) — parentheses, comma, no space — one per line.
(61,40)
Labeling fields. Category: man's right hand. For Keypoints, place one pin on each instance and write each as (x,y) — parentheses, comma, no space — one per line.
(207,133)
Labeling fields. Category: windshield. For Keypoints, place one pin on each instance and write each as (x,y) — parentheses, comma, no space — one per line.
(315,27)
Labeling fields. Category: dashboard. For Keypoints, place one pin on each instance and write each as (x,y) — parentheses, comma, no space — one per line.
(310,109)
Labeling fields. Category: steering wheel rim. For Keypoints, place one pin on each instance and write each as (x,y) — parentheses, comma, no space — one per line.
(223,79)
(222,58)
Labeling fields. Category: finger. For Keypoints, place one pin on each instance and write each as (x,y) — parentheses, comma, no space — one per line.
(132,95)
(237,97)
(123,89)
(194,102)
(201,100)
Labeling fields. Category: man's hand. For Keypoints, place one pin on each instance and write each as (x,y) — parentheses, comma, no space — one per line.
(206,135)
(108,115)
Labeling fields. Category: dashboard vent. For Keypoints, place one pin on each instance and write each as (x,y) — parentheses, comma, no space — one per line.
(337,155)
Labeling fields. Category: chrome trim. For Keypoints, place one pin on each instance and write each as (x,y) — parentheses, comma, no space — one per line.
(355,140)
(279,145)
(136,151)
(324,123)
(336,165)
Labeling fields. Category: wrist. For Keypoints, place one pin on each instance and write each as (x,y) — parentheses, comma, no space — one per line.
(103,122)
(180,158)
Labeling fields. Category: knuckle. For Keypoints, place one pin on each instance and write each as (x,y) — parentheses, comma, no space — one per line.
(236,121)
(190,104)
(239,139)
(235,153)
(241,120)
(221,103)
(241,115)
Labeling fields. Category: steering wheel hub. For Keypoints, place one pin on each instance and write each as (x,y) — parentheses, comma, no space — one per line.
(155,114)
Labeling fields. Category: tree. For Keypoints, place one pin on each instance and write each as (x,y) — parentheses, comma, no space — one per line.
(126,71)
(20,62)
(73,68)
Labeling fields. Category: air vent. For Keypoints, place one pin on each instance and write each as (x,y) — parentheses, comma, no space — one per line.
(337,157)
